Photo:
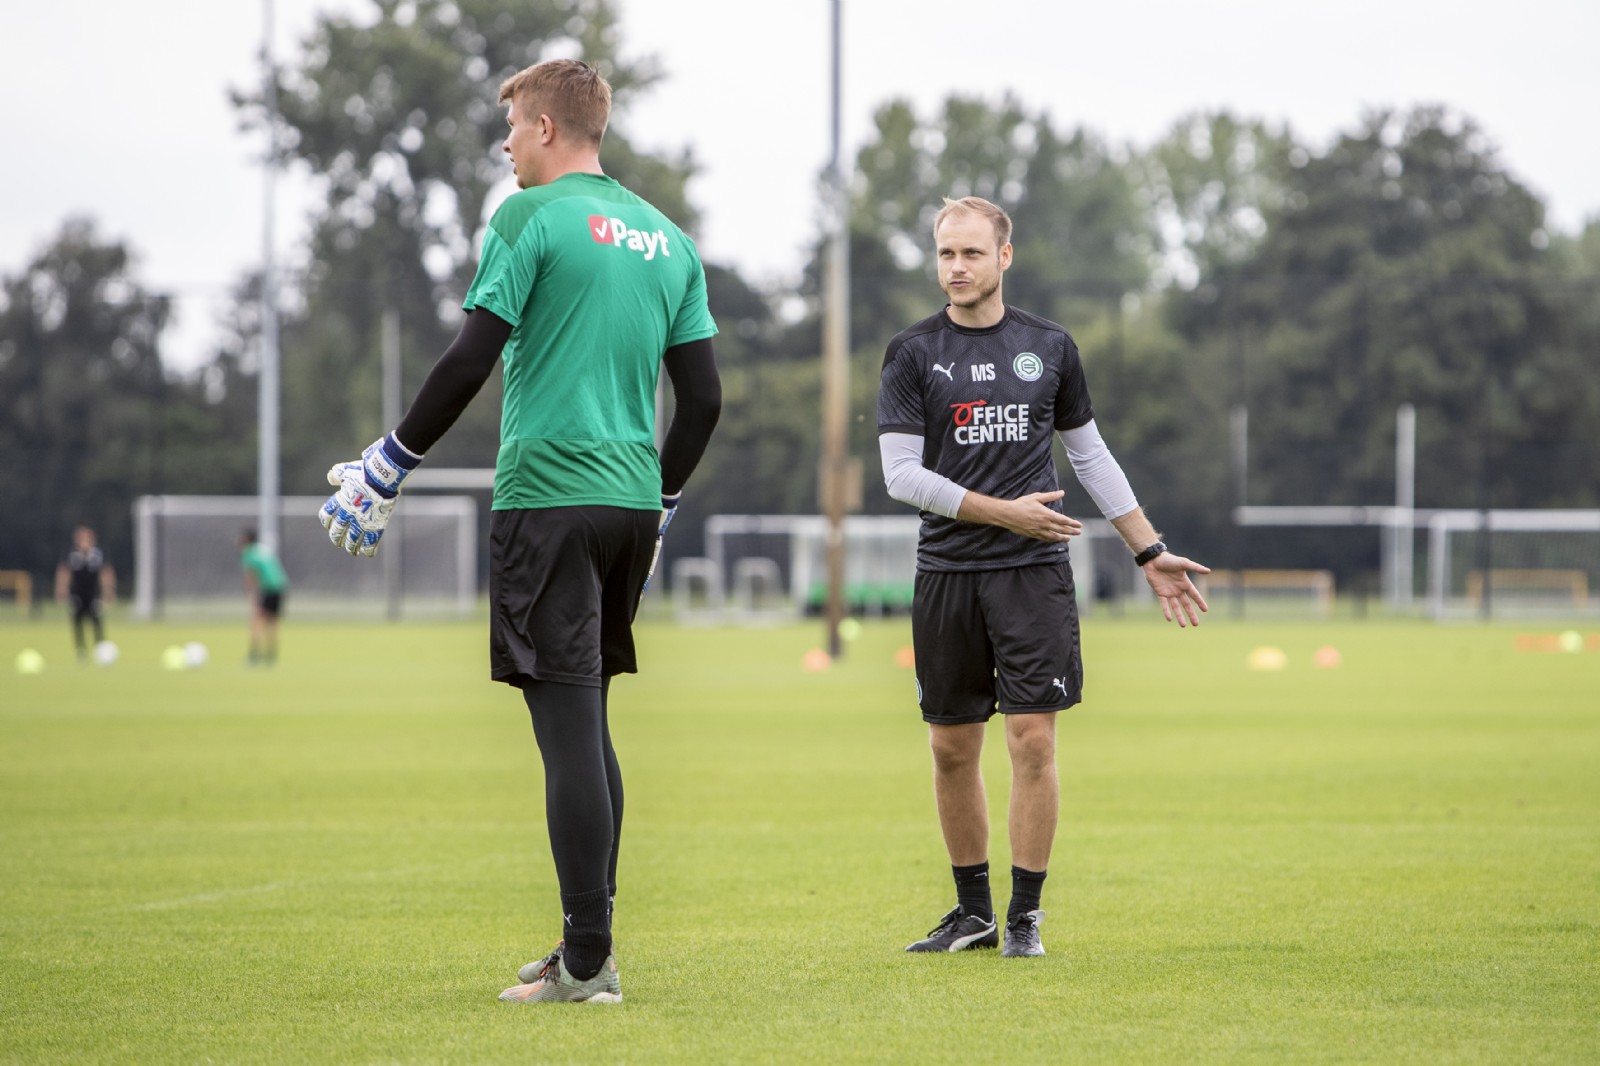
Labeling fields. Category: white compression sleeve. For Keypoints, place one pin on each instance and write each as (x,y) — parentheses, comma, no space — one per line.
(910,482)
(1097,470)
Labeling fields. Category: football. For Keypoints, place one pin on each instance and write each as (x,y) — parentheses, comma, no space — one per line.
(105,653)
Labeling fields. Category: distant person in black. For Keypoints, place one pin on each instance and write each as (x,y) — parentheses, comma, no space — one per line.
(968,401)
(84,579)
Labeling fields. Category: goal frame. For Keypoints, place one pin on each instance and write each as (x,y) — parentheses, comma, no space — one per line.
(330,598)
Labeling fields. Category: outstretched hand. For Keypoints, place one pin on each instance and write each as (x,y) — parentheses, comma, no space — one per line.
(1168,575)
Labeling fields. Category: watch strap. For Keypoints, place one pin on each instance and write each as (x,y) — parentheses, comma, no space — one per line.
(1149,553)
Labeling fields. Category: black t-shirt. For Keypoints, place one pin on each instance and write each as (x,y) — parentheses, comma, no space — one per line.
(985,402)
(84,569)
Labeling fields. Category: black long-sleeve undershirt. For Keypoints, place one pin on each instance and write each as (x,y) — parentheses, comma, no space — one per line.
(697,394)
(454,380)
(464,367)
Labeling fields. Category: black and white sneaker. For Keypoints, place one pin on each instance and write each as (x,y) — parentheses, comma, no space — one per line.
(1022,936)
(959,931)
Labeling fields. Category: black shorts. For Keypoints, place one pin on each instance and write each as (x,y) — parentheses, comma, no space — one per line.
(990,640)
(272,603)
(564,583)
(85,608)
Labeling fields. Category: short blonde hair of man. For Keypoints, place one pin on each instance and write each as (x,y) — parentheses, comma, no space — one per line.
(568,90)
(979,206)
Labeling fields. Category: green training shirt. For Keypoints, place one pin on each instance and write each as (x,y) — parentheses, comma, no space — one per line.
(269,572)
(597,284)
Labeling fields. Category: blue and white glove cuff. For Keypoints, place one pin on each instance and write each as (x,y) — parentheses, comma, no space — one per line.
(387,463)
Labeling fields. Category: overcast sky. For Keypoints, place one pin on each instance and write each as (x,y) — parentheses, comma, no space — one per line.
(118,110)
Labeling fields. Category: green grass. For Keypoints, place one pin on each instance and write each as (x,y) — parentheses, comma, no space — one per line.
(1397,861)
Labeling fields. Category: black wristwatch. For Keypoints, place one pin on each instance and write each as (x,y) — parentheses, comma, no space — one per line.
(1149,553)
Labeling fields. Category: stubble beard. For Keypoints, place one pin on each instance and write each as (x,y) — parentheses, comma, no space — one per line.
(973,295)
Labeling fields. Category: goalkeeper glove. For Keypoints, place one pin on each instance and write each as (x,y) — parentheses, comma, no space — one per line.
(669,507)
(369,488)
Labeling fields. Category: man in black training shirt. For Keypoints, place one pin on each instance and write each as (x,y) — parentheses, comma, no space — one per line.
(83,579)
(968,401)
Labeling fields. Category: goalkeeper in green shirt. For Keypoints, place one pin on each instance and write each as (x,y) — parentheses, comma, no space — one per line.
(584,291)
(266,583)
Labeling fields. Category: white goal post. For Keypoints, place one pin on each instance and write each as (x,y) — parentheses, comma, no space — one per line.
(1511,562)
(186,558)
(1522,563)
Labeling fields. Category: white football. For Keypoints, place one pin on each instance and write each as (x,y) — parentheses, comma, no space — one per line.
(195,654)
(105,653)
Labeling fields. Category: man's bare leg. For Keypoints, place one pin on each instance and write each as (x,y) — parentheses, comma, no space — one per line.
(958,790)
(1035,790)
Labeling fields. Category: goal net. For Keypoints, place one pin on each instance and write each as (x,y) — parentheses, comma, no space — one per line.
(1514,563)
(767,567)
(186,558)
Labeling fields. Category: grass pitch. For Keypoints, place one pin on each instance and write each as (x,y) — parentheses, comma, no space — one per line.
(343,859)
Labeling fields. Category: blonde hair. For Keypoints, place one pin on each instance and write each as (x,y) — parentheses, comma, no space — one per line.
(979,206)
(568,90)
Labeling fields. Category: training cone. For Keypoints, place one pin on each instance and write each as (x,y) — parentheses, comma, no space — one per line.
(1266,657)
(815,661)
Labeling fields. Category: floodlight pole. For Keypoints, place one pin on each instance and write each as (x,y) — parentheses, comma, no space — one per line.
(835,475)
(1239,450)
(267,417)
(1402,545)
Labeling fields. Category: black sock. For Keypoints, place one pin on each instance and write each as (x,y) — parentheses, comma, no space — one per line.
(1025,889)
(972,890)
(586,932)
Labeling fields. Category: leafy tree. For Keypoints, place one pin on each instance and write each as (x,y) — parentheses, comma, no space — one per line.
(89,419)
(1084,236)
(1403,264)
(1213,181)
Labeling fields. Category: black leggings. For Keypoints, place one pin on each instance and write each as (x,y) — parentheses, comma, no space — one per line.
(582,782)
(85,610)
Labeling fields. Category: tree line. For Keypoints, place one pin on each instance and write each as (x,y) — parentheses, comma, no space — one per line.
(1231,265)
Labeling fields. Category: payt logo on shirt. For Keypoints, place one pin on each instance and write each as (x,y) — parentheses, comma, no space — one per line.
(615,232)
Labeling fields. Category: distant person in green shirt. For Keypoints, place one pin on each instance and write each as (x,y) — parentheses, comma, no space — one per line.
(266,582)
